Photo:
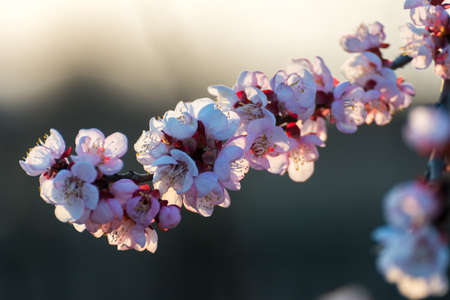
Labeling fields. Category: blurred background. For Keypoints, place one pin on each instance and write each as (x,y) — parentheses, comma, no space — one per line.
(114,64)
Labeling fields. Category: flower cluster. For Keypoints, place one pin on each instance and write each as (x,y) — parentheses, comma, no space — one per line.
(426,38)
(415,250)
(415,253)
(198,152)
(85,193)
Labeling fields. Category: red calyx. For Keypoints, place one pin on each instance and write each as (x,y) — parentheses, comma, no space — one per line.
(292,130)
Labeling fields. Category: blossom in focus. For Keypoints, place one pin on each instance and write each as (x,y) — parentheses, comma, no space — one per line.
(144,206)
(179,123)
(410,205)
(230,166)
(150,145)
(133,236)
(41,157)
(266,146)
(427,129)
(176,170)
(249,103)
(252,79)
(296,91)
(416,261)
(348,109)
(72,191)
(169,216)
(367,37)
(302,155)
(105,153)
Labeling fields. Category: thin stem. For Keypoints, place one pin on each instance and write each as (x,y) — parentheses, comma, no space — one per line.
(400,62)
(137,177)
(436,164)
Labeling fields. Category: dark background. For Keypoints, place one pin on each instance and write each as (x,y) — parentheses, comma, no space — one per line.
(278,240)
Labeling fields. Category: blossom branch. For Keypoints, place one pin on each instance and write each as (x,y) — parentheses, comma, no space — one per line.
(401,61)
(132,175)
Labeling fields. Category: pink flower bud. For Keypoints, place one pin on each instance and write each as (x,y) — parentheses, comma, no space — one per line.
(169,216)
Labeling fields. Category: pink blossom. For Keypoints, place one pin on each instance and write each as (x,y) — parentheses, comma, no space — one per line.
(348,108)
(317,126)
(410,205)
(72,191)
(252,79)
(219,125)
(149,146)
(43,156)
(322,75)
(123,189)
(415,261)
(230,165)
(176,170)
(106,210)
(133,236)
(105,153)
(143,207)
(179,123)
(302,155)
(418,44)
(367,37)
(296,92)
(427,129)
(417,3)
(205,194)
(433,17)
(249,103)
(169,216)
(266,146)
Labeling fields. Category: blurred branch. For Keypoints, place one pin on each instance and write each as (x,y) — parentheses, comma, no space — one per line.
(401,61)
(436,164)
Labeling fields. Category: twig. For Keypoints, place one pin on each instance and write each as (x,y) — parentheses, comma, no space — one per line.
(400,62)
(137,177)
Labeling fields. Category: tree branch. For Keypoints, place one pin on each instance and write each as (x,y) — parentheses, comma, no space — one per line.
(137,177)
(401,61)
(436,164)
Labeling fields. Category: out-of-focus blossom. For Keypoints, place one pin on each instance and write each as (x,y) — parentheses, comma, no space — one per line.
(105,153)
(367,37)
(417,3)
(348,109)
(351,292)
(433,17)
(361,68)
(427,129)
(41,157)
(442,63)
(72,191)
(415,261)
(410,205)
(418,44)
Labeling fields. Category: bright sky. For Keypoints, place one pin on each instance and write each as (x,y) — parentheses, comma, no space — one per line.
(170,46)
